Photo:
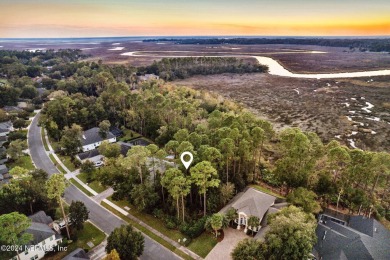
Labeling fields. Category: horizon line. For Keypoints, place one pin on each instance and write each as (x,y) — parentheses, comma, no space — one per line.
(205,36)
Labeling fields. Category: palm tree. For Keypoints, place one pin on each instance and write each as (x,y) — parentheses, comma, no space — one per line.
(231,215)
(253,221)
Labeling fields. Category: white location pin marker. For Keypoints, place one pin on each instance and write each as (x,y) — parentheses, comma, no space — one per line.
(186,163)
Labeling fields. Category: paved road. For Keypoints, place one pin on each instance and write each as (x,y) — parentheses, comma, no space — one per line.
(37,150)
(101,217)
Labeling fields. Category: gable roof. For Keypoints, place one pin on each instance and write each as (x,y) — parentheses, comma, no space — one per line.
(40,232)
(88,154)
(92,136)
(6,125)
(41,217)
(251,202)
(336,241)
(77,254)
(3,169)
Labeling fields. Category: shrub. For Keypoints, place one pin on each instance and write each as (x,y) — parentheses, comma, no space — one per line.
(193,229)
(17,135)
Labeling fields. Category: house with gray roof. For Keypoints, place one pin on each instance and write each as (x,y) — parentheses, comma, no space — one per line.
(252,202)
(359,238)
(4,174)
(92,139)
(5,128)
(78,254)
(44,238)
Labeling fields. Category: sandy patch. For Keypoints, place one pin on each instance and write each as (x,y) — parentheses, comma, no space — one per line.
(116,49)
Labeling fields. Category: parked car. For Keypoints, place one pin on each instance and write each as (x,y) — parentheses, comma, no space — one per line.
(98,164)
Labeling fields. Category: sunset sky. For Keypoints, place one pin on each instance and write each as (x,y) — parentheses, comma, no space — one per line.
(88,18)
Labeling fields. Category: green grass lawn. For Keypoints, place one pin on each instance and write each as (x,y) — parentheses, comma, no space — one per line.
(150,220)
(66,160)
(147,232)
(54,144)
(95,185)
(44,139)
(203,244)
(59,167)
(87,234)
(128,135)
(24,162)
(266,190)
(78,185)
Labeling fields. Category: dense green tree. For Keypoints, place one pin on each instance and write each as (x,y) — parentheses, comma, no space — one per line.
(109,150)
(88,167)
(136,158)
(143,197)
(29,92)
(216,222)
(104,128)
(55,188)
(15,149)
(127,242)
(12,230)
(226,146)
(300,152)
(227,192)
(113,255)
(231,215)
(78,214)
(291,235)
(304,199)
(250,249)
(71,140)
(253,222)
(204,176)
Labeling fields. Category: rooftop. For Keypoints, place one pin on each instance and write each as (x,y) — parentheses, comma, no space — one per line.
(41,217)
(362,239)
(251,202)
(92,136)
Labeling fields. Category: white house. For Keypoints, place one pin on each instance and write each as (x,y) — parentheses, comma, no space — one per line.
(92,139)
(44,238)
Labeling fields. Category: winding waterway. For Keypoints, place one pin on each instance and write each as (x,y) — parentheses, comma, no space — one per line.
(274,67)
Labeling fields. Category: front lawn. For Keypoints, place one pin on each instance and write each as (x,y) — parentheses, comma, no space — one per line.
(150,220)
(87,234)
(59,167)
(203,244)
(66,160)
(78,185)
(94,184)
(129,135)
(23,161)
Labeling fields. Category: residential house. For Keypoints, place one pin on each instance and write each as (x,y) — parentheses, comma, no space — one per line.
(5,128)
(44,238)
(252,202)
(92,139)
(355,237)
(4,175)
(78,254)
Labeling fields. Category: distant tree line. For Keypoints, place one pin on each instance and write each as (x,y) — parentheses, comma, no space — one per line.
(374,45)
(180,68)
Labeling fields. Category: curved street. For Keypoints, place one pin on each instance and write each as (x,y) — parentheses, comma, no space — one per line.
(99,216)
